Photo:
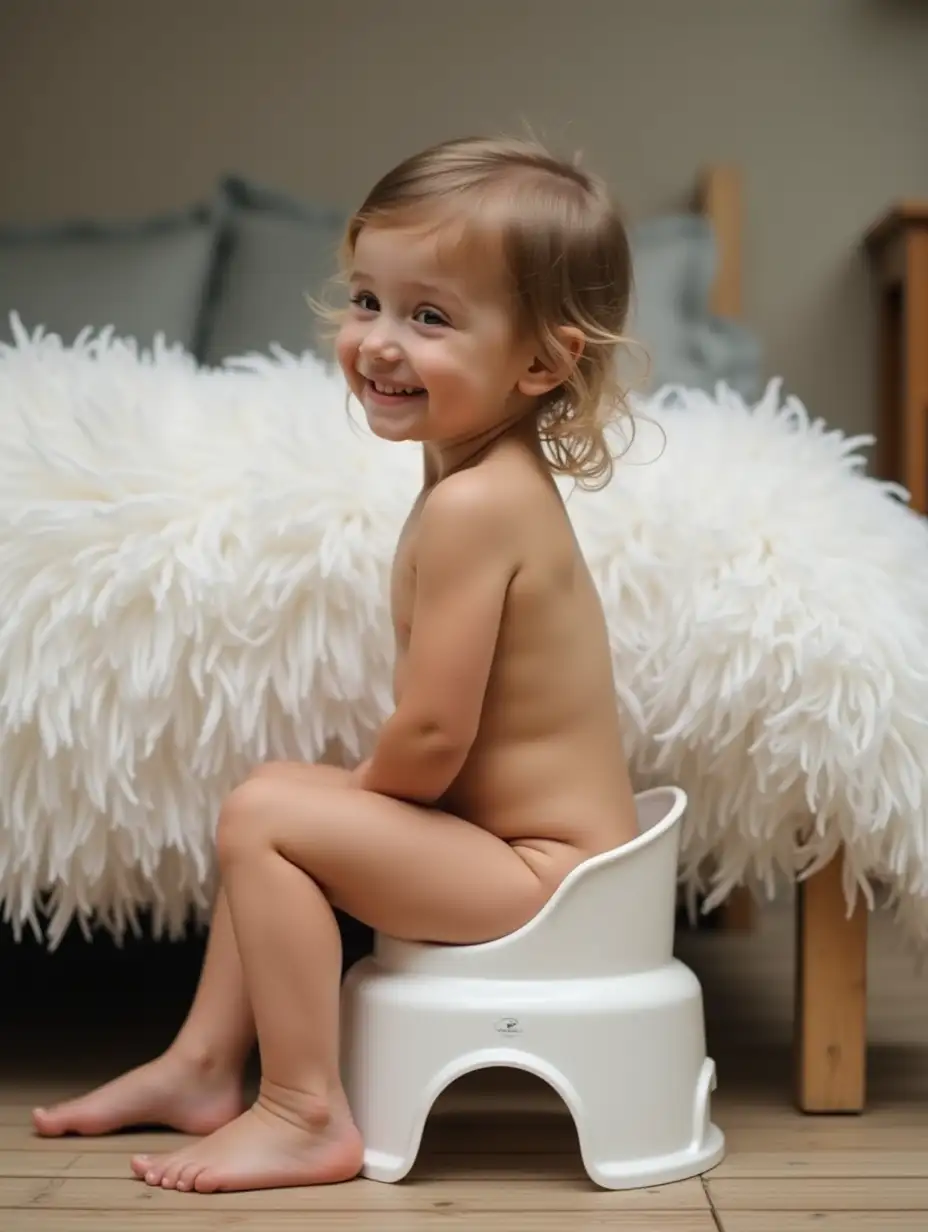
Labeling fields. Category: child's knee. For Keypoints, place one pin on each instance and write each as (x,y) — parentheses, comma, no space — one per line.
(239,828)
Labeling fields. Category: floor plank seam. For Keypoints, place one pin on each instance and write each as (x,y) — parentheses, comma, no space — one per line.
(716,1218)
(44,1192)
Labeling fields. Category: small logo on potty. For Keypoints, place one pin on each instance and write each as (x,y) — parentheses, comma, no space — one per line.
(509,1026)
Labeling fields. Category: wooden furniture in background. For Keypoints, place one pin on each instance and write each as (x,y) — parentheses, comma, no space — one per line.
(719,200)
(898,248)
(830,1010)
(831,953)
(830,1005)
(831,957)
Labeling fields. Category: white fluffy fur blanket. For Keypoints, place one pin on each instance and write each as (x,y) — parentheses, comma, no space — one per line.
(193,572)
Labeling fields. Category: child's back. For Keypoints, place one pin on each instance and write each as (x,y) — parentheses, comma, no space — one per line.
(547,764)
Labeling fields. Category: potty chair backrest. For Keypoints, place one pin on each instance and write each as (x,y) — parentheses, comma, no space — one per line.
(613,915)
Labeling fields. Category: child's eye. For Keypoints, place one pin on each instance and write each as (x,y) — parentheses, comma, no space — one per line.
(365,301)
(430,316)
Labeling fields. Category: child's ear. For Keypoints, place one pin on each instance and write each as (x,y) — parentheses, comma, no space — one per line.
(549,370)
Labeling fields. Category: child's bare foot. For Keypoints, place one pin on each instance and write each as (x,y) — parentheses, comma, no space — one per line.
(268,1147)
(193,1097)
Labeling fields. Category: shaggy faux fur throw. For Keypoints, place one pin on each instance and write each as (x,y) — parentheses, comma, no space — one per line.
(193,570)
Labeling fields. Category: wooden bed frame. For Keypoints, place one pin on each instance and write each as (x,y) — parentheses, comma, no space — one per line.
(830,1007)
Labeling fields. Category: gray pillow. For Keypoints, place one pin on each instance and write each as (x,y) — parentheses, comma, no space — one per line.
(674,260)
(275,253)
(142,278)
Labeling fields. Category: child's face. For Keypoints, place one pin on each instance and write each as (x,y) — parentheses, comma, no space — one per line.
(428,346)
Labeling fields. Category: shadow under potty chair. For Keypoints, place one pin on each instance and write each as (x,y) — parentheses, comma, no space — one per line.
(587,996)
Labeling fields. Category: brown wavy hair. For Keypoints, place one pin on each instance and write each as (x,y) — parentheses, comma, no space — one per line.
(568,263)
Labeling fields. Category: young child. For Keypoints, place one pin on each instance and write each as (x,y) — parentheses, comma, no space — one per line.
(489,291)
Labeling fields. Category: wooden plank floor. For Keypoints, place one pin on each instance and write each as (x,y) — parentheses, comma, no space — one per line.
(500,1154)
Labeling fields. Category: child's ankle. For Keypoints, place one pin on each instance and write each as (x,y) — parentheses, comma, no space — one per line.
(318,1107)
(205,1058)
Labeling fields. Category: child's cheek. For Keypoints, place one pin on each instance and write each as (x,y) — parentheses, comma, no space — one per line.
(346,351)
(441,367)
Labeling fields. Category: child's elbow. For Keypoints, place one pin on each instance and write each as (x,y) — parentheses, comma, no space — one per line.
(439,750)
(445,742)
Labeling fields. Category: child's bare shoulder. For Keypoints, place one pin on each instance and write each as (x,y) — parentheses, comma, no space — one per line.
(502,491)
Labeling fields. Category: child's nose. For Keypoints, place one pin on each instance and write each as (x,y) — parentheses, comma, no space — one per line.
(380,343)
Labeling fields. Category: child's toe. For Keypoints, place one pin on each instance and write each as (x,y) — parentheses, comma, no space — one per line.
(187,1176)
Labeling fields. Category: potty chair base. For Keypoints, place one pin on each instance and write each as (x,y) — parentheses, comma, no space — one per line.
(626,1054)
(587,996)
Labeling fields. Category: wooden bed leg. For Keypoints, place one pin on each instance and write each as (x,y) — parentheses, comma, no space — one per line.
(830,1012)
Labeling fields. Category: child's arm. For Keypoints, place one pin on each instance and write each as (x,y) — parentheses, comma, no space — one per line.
(464,564)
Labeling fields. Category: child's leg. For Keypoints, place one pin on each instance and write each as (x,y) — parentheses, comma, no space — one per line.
(196,1085)
(288,849)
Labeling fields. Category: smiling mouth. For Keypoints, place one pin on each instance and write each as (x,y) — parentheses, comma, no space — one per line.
(401,393)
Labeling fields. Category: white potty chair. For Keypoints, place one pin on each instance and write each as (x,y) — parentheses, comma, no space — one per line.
(587,996)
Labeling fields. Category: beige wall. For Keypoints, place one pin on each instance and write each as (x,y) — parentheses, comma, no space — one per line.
(123,106)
